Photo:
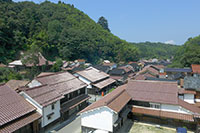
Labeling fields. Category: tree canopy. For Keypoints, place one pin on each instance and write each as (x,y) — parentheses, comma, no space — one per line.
(188,54)
(156,50)
(104,23)
(60,31)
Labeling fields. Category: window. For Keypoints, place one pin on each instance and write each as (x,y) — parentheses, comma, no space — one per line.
(155,106)
(53,106)
(49,116)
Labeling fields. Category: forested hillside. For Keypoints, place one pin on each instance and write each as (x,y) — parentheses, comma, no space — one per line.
(156,50)
(188,54)
(58,30)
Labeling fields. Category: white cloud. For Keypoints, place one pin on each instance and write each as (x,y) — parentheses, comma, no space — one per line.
(170,42)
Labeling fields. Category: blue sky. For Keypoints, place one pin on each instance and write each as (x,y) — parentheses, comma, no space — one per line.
(145,20)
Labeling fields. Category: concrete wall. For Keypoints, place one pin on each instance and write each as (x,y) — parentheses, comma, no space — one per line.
(34,83)
(100,118)
(48,110)
(189,98)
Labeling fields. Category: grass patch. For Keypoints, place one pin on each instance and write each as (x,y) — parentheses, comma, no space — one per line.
(111,90)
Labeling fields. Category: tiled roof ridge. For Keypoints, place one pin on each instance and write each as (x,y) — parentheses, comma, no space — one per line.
(159,92)
(36,87)
(153,81)
(114,97)
(46,75)
(53,73)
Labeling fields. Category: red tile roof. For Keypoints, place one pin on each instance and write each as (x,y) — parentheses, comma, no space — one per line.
(15,84)
(115,100)
(151,69)
(196,68)
(55,78)
(104,83)
(69,86)
(158,92)
(153,91)
(12,105)
(17,124)
(183,91)
(44,95)
(93,74)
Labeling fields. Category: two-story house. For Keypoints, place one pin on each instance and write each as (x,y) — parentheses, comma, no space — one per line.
(72,89)
(97,81)
(16,114)
(46,100)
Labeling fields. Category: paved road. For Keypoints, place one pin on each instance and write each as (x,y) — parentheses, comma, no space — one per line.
(72,127)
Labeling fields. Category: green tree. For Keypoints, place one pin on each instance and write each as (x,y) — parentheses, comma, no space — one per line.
(57,66)
(104,23)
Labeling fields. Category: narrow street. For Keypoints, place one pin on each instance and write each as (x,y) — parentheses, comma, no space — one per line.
(72,127)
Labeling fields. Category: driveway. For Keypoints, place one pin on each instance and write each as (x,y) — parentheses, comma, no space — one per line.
(72,127)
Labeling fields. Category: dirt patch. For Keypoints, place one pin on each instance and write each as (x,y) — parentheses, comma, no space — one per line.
(139,128)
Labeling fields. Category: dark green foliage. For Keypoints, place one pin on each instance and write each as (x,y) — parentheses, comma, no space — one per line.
(57,66)
(156,50)
(59,30)
(188,54)
(8,74)
(104,23)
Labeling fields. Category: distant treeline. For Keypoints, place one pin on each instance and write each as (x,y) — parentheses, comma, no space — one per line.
(158,50)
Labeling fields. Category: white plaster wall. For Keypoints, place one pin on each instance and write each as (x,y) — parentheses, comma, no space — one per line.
(34,83)
(174,108)
(189,98)
(115,117)
(101,118)
(32,101)
(48,110)
(84,80)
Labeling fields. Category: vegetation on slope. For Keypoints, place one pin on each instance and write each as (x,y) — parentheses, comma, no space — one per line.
(188,54)
(59,30)
(156,50)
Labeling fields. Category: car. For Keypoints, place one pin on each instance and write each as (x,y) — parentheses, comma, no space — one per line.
(181,130)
